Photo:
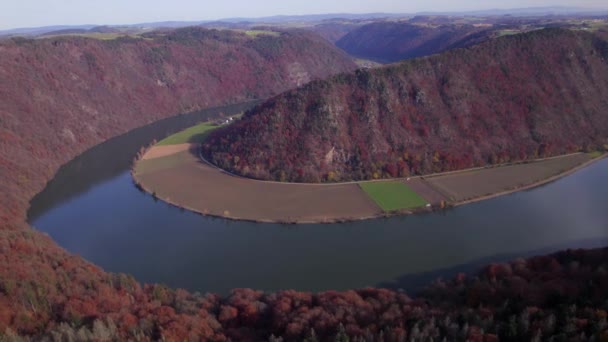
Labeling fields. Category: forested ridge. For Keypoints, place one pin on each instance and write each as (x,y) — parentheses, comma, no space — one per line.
(62,95)
(59,96)
(515,98)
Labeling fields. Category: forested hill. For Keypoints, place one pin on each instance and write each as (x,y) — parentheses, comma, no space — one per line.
(61,95)
(519,97)
(395,41)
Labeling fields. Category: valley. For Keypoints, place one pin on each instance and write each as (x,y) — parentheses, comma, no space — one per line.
(86,255)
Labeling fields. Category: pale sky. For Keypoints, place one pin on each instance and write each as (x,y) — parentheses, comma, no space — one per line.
(34,13)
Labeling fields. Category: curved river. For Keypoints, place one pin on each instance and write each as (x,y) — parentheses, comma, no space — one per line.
(93,209)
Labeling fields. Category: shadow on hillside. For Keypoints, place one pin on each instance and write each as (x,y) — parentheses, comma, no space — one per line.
(195,151)
(198,138)
(414,283)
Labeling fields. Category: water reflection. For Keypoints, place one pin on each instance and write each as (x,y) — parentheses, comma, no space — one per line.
(110,159)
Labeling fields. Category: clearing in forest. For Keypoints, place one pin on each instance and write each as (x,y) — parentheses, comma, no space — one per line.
(392,195)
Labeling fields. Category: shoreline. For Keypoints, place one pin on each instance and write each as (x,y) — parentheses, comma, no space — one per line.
(140,184)
(533,185)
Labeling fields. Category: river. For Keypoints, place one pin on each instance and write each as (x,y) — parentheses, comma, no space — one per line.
(93,209)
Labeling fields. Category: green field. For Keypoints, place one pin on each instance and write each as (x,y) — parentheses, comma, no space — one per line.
(255,33)
(391,196)
(502,33)
(595,154)
(195,134)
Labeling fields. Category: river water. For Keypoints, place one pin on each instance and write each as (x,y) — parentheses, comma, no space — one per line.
(93,209)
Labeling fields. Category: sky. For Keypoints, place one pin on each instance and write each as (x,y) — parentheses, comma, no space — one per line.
(35,13)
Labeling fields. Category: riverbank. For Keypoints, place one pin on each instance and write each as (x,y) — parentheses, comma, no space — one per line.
(535,184)
(382,253)
(185,181)
(177,175)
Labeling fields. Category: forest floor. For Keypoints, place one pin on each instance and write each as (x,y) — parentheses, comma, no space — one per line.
(177,175)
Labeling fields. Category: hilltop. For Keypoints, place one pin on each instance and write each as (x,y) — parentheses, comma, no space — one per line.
(514,98)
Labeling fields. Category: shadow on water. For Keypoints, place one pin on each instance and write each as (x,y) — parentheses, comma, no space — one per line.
(111,158)
(414,283)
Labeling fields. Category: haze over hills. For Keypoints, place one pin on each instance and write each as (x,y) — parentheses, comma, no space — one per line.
(537,94)
(276,20)
(318,18)
(528,11)
(395,41)
(388,41)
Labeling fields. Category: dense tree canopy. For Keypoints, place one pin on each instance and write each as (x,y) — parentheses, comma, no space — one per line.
(515,98)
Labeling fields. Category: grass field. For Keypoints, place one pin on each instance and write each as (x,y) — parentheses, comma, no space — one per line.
(595,154)
(255,33)
(195,134)
(502,33)
(391,196)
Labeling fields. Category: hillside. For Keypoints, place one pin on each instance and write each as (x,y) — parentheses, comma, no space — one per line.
(518,97)
(560,296)
(60,96)
(394,41)
(334,30)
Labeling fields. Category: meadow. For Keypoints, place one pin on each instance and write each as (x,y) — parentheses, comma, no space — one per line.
(392,195)
(195,134)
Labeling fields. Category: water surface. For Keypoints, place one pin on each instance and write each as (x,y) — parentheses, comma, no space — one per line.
(93,209)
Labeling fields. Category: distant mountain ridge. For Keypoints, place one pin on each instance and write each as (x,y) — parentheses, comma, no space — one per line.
(179,24)
(387,42)
(519,97)
(532,11)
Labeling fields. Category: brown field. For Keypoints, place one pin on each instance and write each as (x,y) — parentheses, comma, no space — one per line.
(163,151)
(184,180)
(177,175)
(464,186)
(422,187)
